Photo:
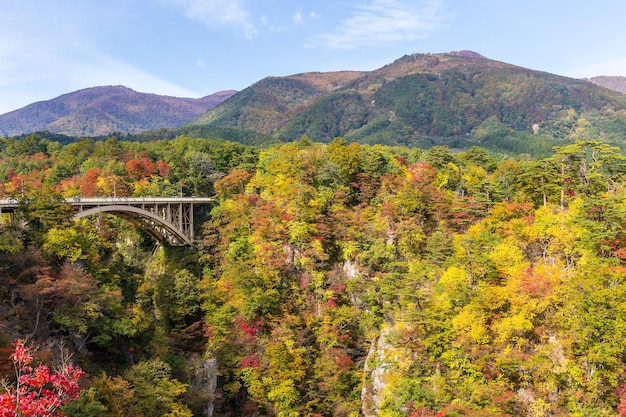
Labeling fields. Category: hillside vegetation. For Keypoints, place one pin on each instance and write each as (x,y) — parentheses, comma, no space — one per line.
(458,99)
(331,279)
(270,103)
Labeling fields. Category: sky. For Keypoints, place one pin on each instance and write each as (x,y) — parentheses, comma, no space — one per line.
(193,48)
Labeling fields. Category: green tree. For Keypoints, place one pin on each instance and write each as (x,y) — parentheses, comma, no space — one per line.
(71,243)
(589,167)
(155,392)
(43,210)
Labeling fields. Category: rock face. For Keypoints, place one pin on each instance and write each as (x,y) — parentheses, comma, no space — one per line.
(375,369)
(204,382)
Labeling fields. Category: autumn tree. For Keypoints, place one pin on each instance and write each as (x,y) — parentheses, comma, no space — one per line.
(37,391)
(42,210)
(140,168)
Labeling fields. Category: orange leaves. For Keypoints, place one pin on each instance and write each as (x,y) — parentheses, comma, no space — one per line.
(234,183)
(621,253)
(163,168)
(88,184)
(21,353)
(140,168)
(621,392)
(536,285)
(422,173)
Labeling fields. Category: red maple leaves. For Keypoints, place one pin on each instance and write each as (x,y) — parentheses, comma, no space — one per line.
(38,392)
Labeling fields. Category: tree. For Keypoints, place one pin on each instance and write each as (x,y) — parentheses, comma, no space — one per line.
(42,211)
(71,243)
(37,392)
(89,182)
(589,167)
(234,183)
(202,173)
(139,168)
(539,181)
(155,392)
(11,239)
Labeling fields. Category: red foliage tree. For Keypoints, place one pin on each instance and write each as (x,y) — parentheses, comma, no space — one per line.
(89,182)
(422,173)
(234,183)
(140,168)
(163,168)
(38,392)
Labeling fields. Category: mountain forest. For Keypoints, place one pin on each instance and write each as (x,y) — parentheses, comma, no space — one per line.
(328,279)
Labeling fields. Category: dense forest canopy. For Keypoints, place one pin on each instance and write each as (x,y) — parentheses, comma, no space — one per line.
(332,279)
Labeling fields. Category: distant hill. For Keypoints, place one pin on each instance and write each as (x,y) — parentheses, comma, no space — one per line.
(424,99)
(614,83)
(102,110)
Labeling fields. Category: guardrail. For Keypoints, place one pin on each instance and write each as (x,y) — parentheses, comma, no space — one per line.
(12,202)
(10,205)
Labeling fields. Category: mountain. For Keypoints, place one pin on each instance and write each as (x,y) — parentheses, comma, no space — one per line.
(272,102)
(457,99)
(614,83)
(423,99)
(102,110)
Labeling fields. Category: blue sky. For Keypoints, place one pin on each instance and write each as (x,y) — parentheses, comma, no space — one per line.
(192,48)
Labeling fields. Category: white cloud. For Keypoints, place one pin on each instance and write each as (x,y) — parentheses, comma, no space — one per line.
(105,70)
(40,68)
(219,12)
(273,28)
(384,22)
(300,17)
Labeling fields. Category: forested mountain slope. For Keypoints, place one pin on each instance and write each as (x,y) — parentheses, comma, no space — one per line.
(458,98)
(271,102)
(331,279)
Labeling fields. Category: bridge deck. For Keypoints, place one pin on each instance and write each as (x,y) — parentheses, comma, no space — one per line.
(169,219)
(9,205)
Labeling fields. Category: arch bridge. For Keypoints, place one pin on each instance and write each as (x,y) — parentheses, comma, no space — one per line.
(167,219)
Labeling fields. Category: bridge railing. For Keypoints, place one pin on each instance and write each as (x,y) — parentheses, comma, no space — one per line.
(13,203)
(140,199)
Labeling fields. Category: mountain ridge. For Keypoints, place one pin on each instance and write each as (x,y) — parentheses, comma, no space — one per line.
(424,100)
(102,110)
(458,98)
